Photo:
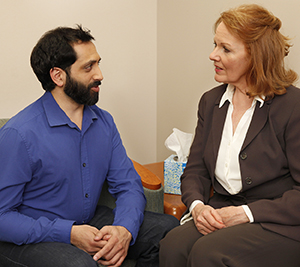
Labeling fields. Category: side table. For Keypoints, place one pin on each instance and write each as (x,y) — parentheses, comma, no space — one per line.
(172,203)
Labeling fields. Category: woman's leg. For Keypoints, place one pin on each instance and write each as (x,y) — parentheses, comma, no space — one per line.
(176,246)
(244,245)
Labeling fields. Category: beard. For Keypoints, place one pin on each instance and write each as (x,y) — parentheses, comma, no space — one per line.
(81,93)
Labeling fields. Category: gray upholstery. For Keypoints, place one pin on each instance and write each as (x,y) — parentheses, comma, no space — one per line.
(155,201)
(3,121)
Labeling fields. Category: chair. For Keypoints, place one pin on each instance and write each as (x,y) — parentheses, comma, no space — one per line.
(153,190)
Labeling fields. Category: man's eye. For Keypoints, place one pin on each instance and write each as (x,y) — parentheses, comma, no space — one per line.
(88,67)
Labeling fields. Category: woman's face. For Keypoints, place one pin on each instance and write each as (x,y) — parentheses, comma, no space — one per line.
(230,57)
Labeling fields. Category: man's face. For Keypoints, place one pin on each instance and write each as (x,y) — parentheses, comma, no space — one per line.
(81,93)
(84,77)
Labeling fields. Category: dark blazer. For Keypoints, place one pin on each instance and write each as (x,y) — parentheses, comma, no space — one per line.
(269,160)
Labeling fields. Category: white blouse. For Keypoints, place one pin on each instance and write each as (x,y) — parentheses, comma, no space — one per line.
(227,170)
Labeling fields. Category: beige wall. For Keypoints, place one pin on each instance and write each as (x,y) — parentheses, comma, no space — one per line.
(126,38)
(155,59)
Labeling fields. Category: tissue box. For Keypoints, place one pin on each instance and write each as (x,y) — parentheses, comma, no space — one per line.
(172,172)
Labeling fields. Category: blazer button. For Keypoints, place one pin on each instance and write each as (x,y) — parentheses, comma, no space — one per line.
(243,155)
(248,180)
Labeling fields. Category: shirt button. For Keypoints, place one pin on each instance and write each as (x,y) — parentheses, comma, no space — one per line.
(86,195)
(243,155)
(84,164)
(248,180)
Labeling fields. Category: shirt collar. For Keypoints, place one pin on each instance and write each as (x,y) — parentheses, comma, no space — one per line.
(229,94)
(57,117)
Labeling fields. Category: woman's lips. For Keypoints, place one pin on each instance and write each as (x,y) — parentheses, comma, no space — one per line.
(218,69)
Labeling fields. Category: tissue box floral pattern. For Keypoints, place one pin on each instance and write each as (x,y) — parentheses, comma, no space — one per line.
(172,173)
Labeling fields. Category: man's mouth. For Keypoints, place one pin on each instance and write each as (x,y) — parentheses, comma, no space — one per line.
(95,86)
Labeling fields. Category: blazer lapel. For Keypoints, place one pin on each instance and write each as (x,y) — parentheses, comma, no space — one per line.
(259,119)
(218,120)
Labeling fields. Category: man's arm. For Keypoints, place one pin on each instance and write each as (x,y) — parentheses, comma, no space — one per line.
(126,186)
(15,173)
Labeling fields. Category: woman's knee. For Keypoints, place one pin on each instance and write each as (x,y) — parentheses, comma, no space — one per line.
(169,244)
(175,247)
(170,251)
(203,253)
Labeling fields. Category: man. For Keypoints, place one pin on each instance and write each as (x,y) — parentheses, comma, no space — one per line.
(56,155)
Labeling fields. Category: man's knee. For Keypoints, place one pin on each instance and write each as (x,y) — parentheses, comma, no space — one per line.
(168,222)
(44,254)
(82,261)
(160,224)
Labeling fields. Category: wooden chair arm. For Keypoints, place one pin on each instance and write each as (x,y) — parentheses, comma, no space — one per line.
(149,179)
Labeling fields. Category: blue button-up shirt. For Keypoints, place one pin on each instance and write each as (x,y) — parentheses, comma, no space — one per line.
(52,173)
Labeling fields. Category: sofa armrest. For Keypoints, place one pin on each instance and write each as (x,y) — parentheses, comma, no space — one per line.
(149,179)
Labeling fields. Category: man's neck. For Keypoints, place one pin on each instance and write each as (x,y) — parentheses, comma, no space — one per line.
(72,109)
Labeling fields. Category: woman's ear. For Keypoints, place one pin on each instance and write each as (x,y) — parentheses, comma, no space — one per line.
(58,76)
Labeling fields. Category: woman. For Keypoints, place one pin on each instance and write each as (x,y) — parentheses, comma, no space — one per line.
(247,148)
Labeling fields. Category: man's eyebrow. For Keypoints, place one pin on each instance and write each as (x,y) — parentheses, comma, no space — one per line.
(92,61)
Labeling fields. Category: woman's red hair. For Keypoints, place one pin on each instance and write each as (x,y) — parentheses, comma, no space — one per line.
(267,47)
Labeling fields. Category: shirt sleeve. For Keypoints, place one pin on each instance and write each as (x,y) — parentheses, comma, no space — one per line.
(126,186)
(15,173)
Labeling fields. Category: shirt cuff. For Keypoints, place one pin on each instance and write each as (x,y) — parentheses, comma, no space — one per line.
(187,217)
(194,204)
(248,213)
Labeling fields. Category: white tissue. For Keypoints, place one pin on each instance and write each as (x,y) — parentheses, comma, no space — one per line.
(180,142)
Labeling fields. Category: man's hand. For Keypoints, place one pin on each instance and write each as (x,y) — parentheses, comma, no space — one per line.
(207,219)
(115,250)
(233,215)
(83,237)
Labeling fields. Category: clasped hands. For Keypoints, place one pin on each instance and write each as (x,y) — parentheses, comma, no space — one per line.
(108,246)
(207,219)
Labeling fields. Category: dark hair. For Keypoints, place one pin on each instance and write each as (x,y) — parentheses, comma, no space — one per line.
(55,49)
(259,30)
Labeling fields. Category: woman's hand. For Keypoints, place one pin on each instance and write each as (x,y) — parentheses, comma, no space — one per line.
(233,215)
(207,219)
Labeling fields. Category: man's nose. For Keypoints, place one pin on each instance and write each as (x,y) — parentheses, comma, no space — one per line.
(98,75)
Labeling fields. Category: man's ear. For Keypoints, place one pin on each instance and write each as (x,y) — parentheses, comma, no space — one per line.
(58,76)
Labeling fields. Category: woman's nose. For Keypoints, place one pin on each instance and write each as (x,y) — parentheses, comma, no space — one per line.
(213,55)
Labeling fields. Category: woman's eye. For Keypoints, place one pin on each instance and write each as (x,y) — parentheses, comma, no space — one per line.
(226,50)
